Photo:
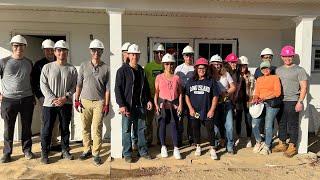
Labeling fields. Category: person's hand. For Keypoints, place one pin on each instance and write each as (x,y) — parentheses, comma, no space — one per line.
(59,101)
(124,111)
(78,106)
(157,110)
(179,110)
(105,109)
(149,106)
(299,107)
(192,112)
(210,114)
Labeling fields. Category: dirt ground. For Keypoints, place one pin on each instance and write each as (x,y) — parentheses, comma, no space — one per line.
(243,165)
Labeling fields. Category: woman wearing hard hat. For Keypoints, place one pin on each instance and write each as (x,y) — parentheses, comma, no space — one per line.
(227,88)
(202,98)
(168,104)
(242,95)
(267,91)
(265,55)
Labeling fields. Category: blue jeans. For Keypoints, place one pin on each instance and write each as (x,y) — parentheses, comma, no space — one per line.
(137,121)
(269,114)
(224,118)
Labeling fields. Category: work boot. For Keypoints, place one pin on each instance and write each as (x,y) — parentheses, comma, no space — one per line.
(291,151)
(281,147)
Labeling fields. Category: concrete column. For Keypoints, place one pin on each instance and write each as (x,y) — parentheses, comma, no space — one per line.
(115,27)
(303,47)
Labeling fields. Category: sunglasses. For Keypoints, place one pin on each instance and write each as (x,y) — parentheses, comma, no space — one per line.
(94,50)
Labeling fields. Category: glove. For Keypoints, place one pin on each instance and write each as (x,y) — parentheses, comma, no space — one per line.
(78,106)
(105,110)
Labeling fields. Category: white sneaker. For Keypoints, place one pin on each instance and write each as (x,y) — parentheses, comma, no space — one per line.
(213,154)
(249,144)
(257,147)
(198,151)
(265,150)
(176,153)
(164,152)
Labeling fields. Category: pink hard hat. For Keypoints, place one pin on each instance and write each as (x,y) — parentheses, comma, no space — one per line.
(231,58)
(287,51)
(201,61)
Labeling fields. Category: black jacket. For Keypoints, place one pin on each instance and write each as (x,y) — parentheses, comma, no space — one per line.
(124,87)
(35,76)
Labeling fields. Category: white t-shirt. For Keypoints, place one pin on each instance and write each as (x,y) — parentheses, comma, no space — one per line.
(224,82)
(185,72)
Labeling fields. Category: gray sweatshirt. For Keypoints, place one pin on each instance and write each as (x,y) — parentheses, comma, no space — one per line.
(57,81)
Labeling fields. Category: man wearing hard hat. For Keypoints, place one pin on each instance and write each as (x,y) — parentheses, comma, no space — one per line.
(185,72)
(48,51)
(57,83)
(93,87)
(124,50)
(265,55)
(17,97)
(152,69)
(133,97)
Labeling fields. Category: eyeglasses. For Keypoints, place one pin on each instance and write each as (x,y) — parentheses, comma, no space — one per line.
(168,64)
(99,51)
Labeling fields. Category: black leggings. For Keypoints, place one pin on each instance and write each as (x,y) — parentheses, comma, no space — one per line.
(247,119)
(209,124)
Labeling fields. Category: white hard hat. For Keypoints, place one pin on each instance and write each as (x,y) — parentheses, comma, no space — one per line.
(48,43)
(256,110)
(96,44)
(18,39)
(168,58)
(243,60)
(187,50)
(61,44)
(134,49)
(125,46)
(266,51)
(158,47)
(216,58)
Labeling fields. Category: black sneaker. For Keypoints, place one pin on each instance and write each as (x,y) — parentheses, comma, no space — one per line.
(97,160)
(67,155)
(85,155)
(146,156)
(28,155)
(6,158)
(44,158)
(128,159)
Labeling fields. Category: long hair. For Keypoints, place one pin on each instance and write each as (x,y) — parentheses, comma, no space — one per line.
(238,72)
(195,73)
(216,74)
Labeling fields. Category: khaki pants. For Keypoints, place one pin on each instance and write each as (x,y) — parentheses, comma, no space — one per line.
(92,116)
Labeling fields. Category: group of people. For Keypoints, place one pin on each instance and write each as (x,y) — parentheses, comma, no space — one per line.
(210,93)
(53,81)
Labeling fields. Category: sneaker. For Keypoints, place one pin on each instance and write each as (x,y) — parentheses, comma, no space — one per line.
(265,150)
(128,159)
(146,156)
(291,151)
(44,158)
(164,152)
(67,155)
(28,155)
(257,147)
(198,151)
(213,154)
(97,160)
(176,153)
(85,155)
(6,158)
(281,147)
(249,144)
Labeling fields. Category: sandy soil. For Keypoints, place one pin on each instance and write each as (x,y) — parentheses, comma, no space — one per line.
(243,165)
